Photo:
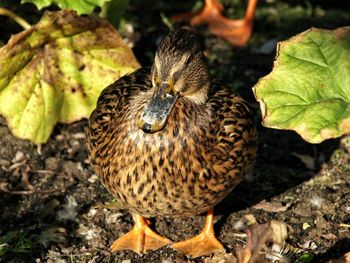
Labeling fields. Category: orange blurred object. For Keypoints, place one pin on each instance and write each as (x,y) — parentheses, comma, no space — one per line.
(235,31)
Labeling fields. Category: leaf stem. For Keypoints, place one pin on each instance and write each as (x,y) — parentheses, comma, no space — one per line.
(16,18)
(104,10)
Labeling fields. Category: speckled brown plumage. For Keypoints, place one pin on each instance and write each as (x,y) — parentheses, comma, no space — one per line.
(187,167)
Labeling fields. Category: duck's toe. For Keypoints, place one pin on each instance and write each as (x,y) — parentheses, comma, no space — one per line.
(236,32)
(140,239)
(201,245)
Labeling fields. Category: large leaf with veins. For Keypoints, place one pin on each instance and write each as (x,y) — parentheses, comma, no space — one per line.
(55,71)
(308,89)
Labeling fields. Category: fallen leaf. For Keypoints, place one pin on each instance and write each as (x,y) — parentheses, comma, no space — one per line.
(308,88)
(258,236)
(81,6)
(272,206)
(55,71)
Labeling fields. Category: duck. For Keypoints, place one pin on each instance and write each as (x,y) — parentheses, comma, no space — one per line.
(171,141)
(235,31)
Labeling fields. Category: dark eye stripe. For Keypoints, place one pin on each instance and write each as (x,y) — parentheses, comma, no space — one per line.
(189,59)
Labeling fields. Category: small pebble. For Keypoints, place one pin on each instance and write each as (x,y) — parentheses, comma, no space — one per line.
(59,137)
(79,135)
(92,212)
(5,163)
(18,157)
(93,178)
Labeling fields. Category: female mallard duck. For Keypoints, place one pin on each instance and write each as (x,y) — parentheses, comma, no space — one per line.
(169,141)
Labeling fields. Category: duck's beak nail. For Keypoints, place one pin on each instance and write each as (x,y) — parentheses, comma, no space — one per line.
(146,127)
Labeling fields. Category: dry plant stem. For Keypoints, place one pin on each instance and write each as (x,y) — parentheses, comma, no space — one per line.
(43,171)
(39,149)
(17,165)
(19,20)
(43,192)
(104,10)
(25,180)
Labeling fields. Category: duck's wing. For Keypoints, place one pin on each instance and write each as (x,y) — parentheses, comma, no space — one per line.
(234,134)
(112,103)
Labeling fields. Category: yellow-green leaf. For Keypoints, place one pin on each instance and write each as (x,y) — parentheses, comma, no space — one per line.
(80,6)
(55,71)
(308,89)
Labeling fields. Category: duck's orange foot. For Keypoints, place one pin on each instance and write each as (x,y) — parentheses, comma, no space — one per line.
(183,17)
(211,9)
(140,239)
(203,244)
(236,32)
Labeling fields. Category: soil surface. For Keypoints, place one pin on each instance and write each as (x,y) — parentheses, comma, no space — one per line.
(54,209)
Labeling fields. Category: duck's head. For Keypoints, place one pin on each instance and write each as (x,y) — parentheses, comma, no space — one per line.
(179,70)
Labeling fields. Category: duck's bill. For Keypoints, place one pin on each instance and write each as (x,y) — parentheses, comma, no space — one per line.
(158,109)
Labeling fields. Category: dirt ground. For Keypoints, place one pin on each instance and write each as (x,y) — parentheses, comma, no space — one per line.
(54,209)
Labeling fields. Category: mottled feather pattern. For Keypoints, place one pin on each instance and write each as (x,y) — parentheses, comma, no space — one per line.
(184,169)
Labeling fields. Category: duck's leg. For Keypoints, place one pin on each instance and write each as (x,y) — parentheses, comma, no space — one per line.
(203,244)
(211,9)
(235,31)
(140,239)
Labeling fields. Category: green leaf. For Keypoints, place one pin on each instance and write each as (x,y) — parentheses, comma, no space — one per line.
(308,89)
(55,71)
(15,241)
(114,11)
(305,258)
(80,6)
(40,4)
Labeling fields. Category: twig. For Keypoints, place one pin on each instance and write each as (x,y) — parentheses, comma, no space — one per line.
(30,192)
(16,18)
(17,165)
(344,225)
(39,149)
(244,235)
(25,179)
(43,171)
(104,10)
